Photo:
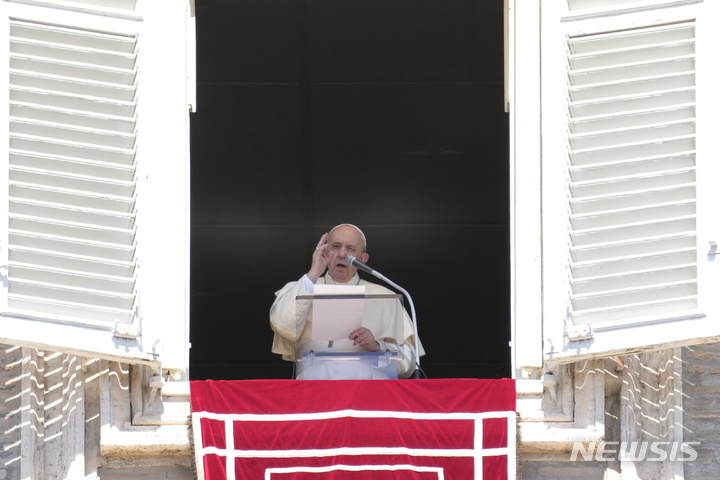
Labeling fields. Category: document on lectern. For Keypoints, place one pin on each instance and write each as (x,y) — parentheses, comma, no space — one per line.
(337,311)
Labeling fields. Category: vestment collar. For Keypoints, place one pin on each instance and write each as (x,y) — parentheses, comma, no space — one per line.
(355,280)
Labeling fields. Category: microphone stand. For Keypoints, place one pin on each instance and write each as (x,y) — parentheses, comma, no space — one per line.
(351,260)
(412,314)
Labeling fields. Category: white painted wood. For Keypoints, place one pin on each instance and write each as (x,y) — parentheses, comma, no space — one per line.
(638,226)
(525,174)
(94,254)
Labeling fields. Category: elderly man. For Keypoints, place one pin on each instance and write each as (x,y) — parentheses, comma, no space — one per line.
(390,329)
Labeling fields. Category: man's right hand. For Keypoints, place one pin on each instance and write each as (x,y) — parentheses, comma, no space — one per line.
(319,262)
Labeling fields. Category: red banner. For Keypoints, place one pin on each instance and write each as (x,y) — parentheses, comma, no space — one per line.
(456,429)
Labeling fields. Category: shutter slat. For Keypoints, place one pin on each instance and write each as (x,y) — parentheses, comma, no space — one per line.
(596,222)
(629,264)
(78,216)
(56,34)
(636,86)
(639,248)
(630,151)
(639,231)
(662,308)
(32,225)
(632,104)
(59,196)
(79,248)
(70,86)
(586,174)
(56,292)
(84,184)
(632,183)
(668,198)
(652,132)
(67,72)
(624,39)
(72,166)
(641,294)
(78,102)
(72,54)
(632,55)
(618,283)
(80,281)
(72,264)
(670,66)
(72,134)
(42,305)
(45,114)
(47,146)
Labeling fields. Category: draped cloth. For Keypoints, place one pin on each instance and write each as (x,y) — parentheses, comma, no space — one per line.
(445,429)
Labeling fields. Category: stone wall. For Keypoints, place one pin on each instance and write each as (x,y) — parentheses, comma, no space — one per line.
(60,412)
(10,411)
(54,407)
(641,405)
(701,405)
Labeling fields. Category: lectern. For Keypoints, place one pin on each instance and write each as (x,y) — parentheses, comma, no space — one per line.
(323,350)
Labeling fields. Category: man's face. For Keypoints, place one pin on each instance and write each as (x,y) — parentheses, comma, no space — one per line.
(344,241)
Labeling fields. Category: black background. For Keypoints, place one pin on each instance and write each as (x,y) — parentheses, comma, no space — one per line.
(383,113)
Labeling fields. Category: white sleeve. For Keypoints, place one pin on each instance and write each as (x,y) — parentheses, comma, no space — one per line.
(285,318)
(405,364)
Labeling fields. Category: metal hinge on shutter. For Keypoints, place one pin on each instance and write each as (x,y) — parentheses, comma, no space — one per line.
(578,333)
(127,331)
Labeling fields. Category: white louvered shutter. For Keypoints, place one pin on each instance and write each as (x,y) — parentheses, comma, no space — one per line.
(81,167)
(632,194)
(634,254)
(72,174)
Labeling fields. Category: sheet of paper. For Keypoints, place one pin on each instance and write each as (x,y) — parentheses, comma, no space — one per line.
(335,318)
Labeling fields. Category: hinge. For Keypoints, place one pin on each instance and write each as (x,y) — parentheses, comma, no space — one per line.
(127,330)
(577,333)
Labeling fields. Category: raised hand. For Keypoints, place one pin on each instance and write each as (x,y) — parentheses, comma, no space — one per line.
(319,261)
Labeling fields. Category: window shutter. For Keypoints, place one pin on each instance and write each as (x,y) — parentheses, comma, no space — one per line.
(627,179)
(72,174)
(93,178)
(632,190)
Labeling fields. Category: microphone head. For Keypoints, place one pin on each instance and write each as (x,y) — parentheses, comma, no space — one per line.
(354,262)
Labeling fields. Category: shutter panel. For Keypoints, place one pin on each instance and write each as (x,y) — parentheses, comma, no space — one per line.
(72,174)
(95,194)
(632,176)
(628,115)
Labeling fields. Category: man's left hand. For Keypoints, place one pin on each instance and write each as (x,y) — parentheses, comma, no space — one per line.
(365,338)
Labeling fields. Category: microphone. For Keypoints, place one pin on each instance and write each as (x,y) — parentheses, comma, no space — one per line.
(354,262)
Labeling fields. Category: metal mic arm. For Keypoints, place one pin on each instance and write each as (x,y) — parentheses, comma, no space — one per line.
(414,319)
(360,265)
